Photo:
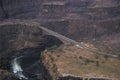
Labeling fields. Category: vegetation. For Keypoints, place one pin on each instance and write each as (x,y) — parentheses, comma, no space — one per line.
(54,47)
(106,57)
(81,62)
(97,63)
(119,56)
(80,57)
(48,62)
(5,75)
(4,63)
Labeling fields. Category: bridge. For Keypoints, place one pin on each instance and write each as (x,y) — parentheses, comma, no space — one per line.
(67,40)
(64,39)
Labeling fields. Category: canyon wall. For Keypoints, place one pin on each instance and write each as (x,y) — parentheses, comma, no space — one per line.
(27,41)
(22,9)
(94,21)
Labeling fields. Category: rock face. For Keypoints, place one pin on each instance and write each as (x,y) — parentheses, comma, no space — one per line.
(4,75)
(16,37)
(72,63)
(95,2)
(1,13)
(31,9)
(91,21)
(22,9)
(28,41)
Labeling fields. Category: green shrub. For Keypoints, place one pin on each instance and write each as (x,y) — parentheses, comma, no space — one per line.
(106,57)
(4,63)
(118,56)
(52,47)
(97,63)
(80,57)
(88,61)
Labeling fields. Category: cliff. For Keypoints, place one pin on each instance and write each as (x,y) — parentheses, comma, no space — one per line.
(70,62)
(94,23)
(48,62)
(27,40)
(4,75)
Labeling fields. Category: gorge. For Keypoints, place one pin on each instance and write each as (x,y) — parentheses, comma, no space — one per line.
(25,50)
(93,23)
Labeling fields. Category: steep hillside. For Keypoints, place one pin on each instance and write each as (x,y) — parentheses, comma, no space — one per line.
(20,39)
(28,9)
(94,23)
(4,75)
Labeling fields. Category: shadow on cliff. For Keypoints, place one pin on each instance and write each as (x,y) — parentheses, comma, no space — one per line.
(29,42)
(32,62)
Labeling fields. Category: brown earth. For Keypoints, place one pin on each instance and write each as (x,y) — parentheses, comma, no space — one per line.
(4,75)
(74,61)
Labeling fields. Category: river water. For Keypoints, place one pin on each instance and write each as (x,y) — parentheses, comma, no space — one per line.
(16,68)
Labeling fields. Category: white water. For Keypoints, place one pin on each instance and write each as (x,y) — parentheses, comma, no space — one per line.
(17,68)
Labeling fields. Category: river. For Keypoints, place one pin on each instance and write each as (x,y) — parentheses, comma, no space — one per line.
(16,68)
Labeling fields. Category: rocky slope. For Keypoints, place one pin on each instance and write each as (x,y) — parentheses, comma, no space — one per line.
(28,41)
(70,62)
(21,9)
(94,22)
(4,75)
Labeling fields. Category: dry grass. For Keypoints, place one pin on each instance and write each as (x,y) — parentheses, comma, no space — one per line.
(71,60)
